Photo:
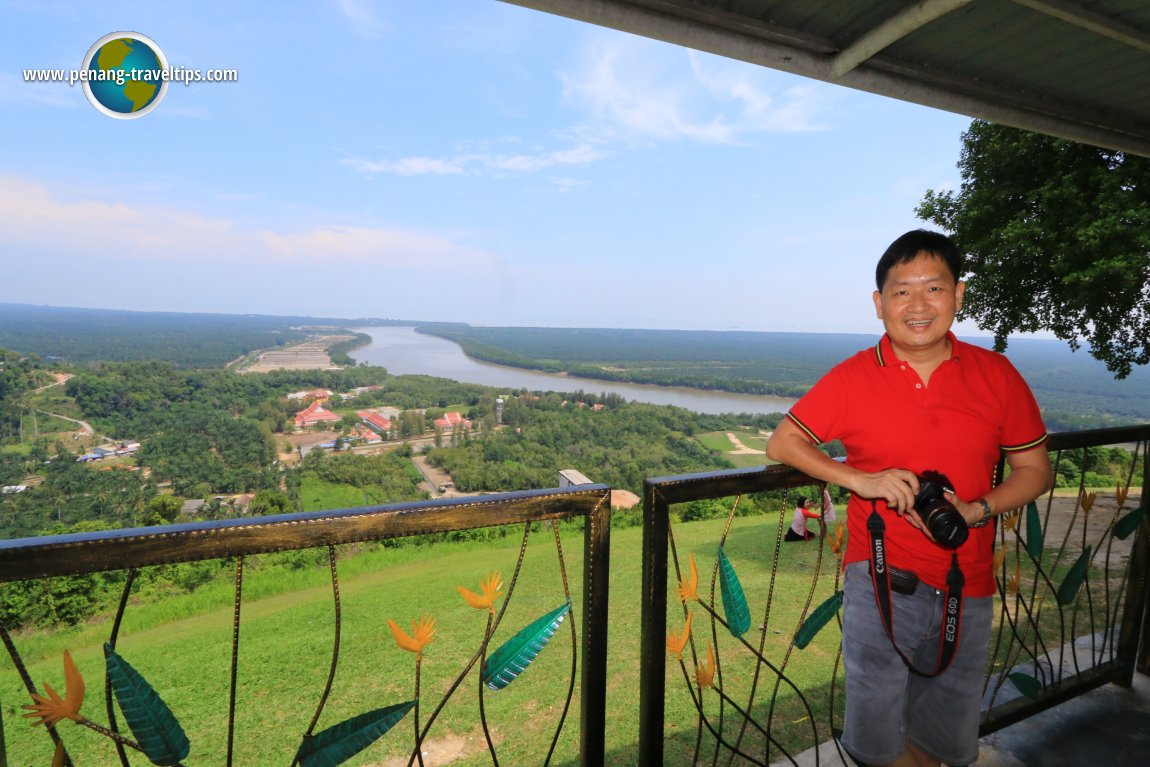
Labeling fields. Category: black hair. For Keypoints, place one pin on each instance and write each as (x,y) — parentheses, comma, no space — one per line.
(802,502)
(907,247)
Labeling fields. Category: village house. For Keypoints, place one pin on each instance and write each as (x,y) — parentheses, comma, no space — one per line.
(313,414)
(451,420)
(363,435)
(376,421)
(316,394)
(358,391)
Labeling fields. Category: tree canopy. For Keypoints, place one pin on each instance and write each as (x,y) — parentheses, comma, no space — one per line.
(1057,238)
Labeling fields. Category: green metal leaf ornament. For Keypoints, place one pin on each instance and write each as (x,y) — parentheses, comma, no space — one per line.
(1026,684)
(735,609)
(1073,580)
(517,653)
(1034,536)
(151,721)
(820,617)
(342,741)
(1129,523)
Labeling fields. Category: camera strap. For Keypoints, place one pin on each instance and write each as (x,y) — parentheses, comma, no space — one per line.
(880,576)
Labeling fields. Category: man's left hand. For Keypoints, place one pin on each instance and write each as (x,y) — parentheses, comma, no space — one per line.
(971,512)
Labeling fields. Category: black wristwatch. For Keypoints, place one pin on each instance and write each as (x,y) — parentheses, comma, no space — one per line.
(985,513)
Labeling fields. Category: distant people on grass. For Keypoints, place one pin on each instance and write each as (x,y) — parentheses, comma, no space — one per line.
(798,530)
(828,506)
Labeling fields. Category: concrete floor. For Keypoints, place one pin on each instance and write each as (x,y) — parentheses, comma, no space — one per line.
(1107,726)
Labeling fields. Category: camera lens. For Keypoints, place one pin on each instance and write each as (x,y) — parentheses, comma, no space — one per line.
(946,525)
(941,517)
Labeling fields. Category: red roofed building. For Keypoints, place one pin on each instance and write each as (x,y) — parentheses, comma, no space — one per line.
(364,435)
(451,420)
(313,414)
(377,422)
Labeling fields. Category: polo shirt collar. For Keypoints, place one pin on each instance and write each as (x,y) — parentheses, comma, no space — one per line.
(884,354)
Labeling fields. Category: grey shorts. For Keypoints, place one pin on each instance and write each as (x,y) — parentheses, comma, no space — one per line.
(886,704)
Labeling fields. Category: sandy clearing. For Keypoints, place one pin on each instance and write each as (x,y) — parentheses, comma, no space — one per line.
(740,448)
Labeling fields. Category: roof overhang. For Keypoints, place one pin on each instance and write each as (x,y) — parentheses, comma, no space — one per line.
(1079,71)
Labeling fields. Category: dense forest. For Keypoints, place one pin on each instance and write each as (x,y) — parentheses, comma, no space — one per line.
(206,433)
(1074,390)
(620,445)
(82,336)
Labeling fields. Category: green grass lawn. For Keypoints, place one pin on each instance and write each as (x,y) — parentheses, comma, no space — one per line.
(183,647)
(716,440)
(319,495)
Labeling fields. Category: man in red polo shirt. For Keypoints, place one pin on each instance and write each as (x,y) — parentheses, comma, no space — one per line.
(919,401)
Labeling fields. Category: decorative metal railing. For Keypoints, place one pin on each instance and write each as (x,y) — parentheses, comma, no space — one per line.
(509,633)
(744,666)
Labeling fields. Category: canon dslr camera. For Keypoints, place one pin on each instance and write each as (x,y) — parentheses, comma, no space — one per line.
(941,517)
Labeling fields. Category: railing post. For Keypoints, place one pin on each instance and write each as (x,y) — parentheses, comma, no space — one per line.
(652,642)
(596,570)
(1133,641)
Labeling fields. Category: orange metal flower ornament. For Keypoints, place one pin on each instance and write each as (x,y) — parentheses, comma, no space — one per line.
(705,674)
(1120,494)
(490,586)
(1014,580)
(422,632)
(1087,500)
(689,589)
(51,708)
(676,642)
(836,539)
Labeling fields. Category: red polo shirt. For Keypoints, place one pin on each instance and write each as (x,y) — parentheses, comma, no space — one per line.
(976,405)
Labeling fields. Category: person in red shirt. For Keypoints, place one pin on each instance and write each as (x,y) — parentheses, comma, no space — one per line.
(919,401)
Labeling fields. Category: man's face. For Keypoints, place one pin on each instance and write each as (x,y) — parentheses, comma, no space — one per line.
(918,303)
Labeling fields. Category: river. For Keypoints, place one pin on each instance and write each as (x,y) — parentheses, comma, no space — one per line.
(404,352)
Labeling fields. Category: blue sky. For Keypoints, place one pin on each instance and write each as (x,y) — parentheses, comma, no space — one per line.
(452,160)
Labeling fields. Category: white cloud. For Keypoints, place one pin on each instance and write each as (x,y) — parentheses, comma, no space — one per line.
(36,217)
(361,14)
(564,184)
(634,89)
(474,163)
(627,89)
(407,166)
(14,89)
